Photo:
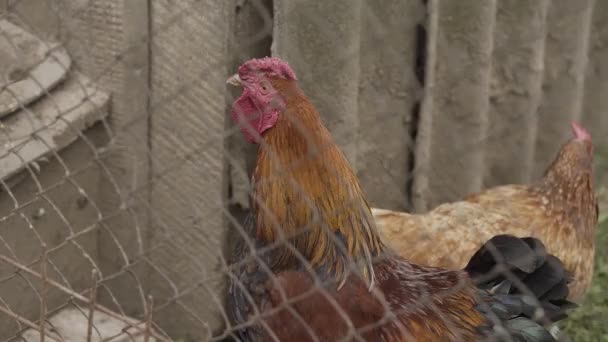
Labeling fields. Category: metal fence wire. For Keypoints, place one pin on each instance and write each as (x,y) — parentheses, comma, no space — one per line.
(125,184)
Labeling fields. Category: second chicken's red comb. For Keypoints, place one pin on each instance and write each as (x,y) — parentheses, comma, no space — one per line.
(580,132)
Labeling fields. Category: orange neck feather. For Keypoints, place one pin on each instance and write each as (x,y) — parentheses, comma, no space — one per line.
(304,190)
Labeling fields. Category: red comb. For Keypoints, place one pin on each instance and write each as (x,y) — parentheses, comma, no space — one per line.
(580,132)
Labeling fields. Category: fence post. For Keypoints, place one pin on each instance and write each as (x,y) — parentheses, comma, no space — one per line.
(129,154)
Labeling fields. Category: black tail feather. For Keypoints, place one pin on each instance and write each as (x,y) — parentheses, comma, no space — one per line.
(547,277)
(525,330)
(523,287)
(516,254)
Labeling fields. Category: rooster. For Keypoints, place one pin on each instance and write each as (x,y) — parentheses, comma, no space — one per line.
(561,210)
(311,228)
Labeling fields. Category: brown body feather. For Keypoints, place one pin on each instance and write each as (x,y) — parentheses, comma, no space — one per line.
(410,303)
(560,210)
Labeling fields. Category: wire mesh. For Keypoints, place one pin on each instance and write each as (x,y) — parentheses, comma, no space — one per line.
(119,205)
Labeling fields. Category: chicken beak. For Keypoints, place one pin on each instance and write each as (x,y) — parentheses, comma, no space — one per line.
(234,80)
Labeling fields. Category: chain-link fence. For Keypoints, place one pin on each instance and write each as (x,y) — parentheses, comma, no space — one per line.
(125,184)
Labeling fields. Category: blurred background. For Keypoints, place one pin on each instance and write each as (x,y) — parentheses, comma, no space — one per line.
(121,175)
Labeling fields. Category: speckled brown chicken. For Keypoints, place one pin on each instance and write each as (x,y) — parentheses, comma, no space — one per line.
(561,210)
